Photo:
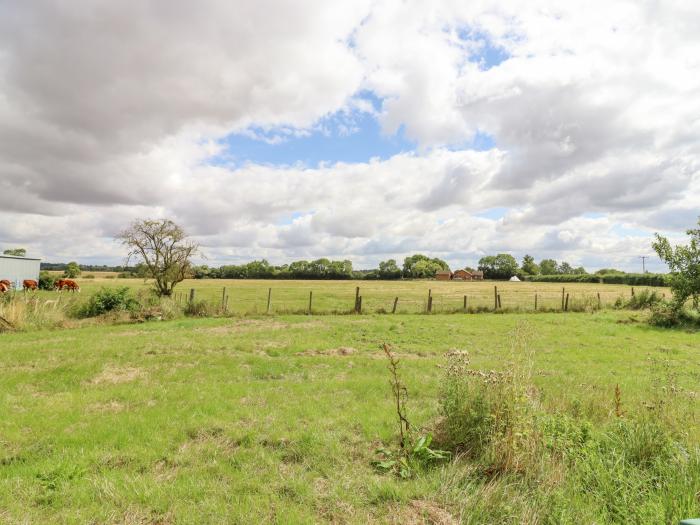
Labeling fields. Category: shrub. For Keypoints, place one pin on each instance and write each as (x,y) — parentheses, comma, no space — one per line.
(643,300)
(107,300)
(200,309)
(46,280)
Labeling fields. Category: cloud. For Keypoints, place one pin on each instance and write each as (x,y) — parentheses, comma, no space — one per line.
(112,111)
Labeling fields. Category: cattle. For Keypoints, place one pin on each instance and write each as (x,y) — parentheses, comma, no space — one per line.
(7,283)
(59,284)
(3,287)
(30,284)
(69,285)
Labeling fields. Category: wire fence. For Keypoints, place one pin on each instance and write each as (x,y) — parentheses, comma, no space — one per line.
(324,300)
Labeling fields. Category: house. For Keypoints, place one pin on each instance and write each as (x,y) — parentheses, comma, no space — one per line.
(444,275)
(465,275)
(17,269)
(462,275)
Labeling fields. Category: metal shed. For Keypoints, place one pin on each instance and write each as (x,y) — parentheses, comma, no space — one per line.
(17,269)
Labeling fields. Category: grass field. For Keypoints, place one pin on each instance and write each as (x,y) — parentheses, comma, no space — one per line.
(250,296)
(276,419)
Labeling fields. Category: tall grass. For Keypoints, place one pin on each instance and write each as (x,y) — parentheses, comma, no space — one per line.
(635,467)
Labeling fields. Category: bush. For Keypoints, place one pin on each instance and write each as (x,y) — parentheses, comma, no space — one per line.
(200,309)
(643,300)
(666,315)
(46,281)
(108,300)
(632,279)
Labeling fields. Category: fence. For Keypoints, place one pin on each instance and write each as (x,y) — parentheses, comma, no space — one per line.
(322,300)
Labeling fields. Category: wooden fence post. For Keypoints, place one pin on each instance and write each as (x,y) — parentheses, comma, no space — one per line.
(566,305)
(499,301)
(223,295)
(269,298)
(465,303)
(191,295)
(226,304)
(535,302)
(357,299)
(396,301)
(562,297)
(430,301)
(311,295)
(598,300)
(633,291)
(495,297)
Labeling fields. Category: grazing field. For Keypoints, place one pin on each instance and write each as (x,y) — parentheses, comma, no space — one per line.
(250,296)
(276,419)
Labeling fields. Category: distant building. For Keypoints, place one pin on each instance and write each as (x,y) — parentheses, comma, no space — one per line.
(466,275)
(17,269)
(444,275)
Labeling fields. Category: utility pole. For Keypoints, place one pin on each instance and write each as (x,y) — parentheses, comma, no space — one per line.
(644,258)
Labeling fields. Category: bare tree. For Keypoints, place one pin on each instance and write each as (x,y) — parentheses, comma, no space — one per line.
(163,247)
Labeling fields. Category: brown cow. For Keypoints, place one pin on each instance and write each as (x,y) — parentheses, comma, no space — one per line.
(30,284)
(3,287)
(59,284)
(70,285)
(7,283)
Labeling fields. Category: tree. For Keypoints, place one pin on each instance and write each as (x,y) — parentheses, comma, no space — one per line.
(565,268)
(529,266)
(684,263)
(72,270)
(389,270)
(164,248)
(501,266)
(15,252)
(420,266)
(548,267)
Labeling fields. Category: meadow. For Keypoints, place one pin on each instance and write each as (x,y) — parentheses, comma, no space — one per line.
(278,418)
(249,296)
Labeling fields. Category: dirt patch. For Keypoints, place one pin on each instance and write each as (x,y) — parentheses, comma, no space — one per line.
(128,333)
(422,512)
(112,407)
(340,351)
(116,375)
(255,325)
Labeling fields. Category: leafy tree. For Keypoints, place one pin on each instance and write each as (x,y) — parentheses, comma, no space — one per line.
(580,271)
(684,263)
(164,248)
(16,252)
(501,266)
(420,266)
(604,271)
(389,270)
(72,270)
(565,268)
(529,266)
(548,267)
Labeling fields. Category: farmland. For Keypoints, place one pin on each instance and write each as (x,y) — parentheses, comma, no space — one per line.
(276,418)
(250,296)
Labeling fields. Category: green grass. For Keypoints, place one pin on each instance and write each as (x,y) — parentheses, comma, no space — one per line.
(259,420)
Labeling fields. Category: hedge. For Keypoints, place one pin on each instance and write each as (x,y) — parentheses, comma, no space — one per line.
(633,279)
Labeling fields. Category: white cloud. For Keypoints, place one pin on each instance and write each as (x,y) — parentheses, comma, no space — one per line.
(110,111)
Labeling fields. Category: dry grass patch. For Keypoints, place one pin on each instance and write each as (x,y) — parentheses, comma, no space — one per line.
(115,375)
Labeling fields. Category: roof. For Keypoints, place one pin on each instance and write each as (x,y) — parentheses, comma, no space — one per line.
(15,257)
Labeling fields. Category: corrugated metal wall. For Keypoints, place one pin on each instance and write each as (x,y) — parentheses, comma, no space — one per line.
(17,269)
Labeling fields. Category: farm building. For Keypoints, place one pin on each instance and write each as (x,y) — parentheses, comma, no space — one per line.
(17,269)
(444,275)
(465,275)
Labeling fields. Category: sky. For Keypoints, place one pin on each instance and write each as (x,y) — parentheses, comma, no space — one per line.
(362,129)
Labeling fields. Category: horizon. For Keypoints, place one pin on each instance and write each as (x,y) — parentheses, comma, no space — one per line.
(364,131)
